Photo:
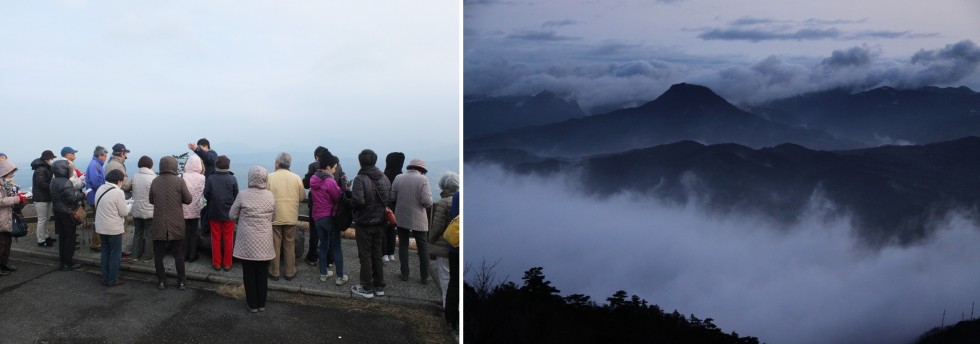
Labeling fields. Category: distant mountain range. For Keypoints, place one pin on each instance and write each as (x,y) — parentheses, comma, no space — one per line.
(499,114)
(684,112)
(883,115)
(895,194)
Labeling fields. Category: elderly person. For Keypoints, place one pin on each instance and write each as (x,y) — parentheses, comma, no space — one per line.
(194,178)
(411,197)
(94,178)
(142,210)
(370,193)
(65,198)
(117,162)
(11,200)
(42,196)
(110,224)
(439,247)
(287,188)
(168,194)
(326,193)
(253,210)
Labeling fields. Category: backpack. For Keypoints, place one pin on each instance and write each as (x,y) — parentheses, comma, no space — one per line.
(343,211)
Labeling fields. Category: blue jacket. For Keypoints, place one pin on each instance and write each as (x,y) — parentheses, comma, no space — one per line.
(208,158)
(94,178)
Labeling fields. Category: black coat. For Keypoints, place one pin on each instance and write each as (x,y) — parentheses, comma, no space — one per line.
(42,180)
(64,197)
(369,209)
(220,191)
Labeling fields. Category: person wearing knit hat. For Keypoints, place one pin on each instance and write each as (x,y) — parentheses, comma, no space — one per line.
(221,190)
(41,184)
(411,194)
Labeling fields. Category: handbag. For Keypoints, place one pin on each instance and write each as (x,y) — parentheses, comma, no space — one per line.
(343,213)
(389,215)
(78,215)
(19,227)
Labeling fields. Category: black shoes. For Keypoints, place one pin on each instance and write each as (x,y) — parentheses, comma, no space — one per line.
(310,262)
(181,286)
(290,278)
(4,273)
(191,260)
(51,240)
(45,244)
(162,285)
(8,268)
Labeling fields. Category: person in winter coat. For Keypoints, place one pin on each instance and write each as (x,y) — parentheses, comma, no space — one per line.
(68,154)
(287,188)
(325,193)
(117,162)
(208,158)
(194,178)
(94,178)
(110,223)
(393,167)
(11,201)
(42,197)
(370,193)
(438,247)
(253,210)
(142,210)
(220,191)
(168,194)
(312,255)
(65,198)
(411,197)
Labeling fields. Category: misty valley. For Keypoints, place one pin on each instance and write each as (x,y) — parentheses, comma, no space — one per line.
(824,217)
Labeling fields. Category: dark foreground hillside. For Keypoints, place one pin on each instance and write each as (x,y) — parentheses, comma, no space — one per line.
(963,332)
(536,313)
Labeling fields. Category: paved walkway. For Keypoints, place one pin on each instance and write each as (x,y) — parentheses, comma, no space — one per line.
(307,281)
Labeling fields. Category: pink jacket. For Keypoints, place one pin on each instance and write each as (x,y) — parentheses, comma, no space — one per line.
(325,192)
(194,178)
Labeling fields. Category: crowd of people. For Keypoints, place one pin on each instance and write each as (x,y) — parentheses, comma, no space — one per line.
(257,225)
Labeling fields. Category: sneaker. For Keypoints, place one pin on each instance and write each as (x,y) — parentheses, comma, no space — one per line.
(310,262)
(379,291)
(253,310)
(181,286)
(341,280)
(162,285)
(385,259)
(359,290)
(392,257)
(261,309)
(323,278)
(45,244)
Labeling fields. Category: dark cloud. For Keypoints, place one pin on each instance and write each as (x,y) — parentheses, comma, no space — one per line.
(811,282)
(815,21)
(758,35)
(751,21)
(853,57)
(547,36)
(947,65)
(558,23)
(612,48)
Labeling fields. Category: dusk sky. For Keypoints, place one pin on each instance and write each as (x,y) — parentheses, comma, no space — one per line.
(251,76)
(628,52)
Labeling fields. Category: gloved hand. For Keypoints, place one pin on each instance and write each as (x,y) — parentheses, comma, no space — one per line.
(23,198)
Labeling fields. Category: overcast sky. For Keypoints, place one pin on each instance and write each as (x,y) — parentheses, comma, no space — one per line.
(248,75)
(626,51)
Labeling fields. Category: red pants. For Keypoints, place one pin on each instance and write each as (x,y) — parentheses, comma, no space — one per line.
(222,234)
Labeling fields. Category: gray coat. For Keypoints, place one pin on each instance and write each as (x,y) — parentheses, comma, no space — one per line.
(168,194)
(412,196)
(117,163)
(440,220)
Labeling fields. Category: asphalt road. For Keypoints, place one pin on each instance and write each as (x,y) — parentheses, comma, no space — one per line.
(40,304)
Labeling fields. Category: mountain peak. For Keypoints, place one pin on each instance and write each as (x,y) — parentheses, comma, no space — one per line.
(684,95)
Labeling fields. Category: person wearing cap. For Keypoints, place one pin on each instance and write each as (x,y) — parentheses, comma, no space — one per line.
(11,202)
(194,178)
(110,224)
(142,210)
(369,196)
(68,153)
(220,191)
(41,187)
(3,157)
(117,162)
(287,188)
(65,198)
(411,198)
(94,178)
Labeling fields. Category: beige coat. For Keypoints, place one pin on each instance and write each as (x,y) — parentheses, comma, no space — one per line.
(253,210)
(287,188)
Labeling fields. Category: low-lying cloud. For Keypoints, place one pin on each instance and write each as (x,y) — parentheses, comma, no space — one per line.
(810,283)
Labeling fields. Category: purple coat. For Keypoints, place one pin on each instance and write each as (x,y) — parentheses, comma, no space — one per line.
(325,192)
